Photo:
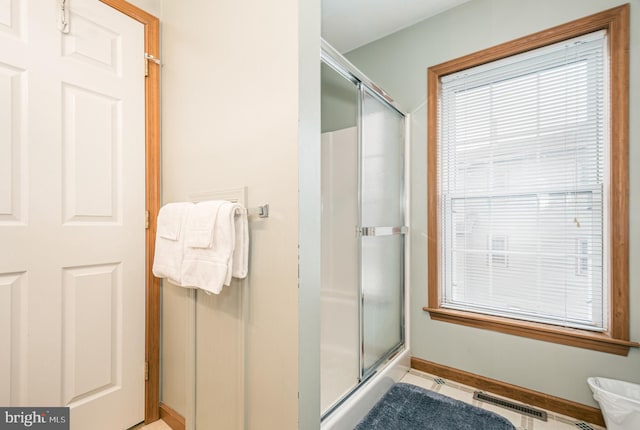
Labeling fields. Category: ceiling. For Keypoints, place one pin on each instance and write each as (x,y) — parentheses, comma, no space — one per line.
(349,24)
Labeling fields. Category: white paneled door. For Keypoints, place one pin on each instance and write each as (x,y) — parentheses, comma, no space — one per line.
(72,204)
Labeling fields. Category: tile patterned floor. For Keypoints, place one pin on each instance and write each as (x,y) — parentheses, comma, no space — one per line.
(465,393)
(156,425)
(521,422)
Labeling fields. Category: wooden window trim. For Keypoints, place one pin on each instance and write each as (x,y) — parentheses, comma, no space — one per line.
(616,341)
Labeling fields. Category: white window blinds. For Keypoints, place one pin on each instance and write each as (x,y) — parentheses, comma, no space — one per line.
(523,185)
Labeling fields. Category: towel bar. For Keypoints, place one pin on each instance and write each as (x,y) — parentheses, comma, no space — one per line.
(261,211)
(381,231)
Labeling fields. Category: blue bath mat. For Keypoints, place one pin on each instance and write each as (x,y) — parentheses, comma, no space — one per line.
(408,407)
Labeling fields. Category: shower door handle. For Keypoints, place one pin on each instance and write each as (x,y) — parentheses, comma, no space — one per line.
(381,231)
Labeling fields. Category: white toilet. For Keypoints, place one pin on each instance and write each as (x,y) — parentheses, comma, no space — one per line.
(619,402)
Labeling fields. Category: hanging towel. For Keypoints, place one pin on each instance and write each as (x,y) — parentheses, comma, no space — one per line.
(201,224)
(169,251)
(237,264)
(207,268)
(240,261)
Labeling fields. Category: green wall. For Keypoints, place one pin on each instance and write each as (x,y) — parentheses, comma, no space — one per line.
(339,101)
(398,63)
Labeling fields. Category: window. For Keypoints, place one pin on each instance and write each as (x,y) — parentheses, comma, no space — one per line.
(522,156)
(528,221)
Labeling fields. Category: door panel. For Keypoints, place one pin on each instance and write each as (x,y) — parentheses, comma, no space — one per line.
(382,163)
(91,147)
(91,297)
(382,265)
(93,43)
(72,202)
(12,314)
(10,13)
(12,142)
(339,286)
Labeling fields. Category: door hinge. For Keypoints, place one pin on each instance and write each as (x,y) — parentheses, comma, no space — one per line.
(146,220)
(147,58)
(146,370)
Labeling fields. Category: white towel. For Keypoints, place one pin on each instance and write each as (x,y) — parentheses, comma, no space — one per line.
(202,222)
(169,251)
(207,268)
(237,264)
(240,264)
(170,219)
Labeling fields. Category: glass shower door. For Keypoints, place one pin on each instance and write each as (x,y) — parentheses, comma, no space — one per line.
(382,230)
(363,227)
(339,328)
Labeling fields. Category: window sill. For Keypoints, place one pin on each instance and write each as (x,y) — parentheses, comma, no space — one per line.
(562,335)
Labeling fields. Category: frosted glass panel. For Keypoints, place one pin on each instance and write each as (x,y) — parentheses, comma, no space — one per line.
(382,174)
(382,163)
(339,278)
(382,292)
(339,328)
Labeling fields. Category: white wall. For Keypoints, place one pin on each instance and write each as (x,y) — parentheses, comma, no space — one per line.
(398,63)
(231,101)
(154,7)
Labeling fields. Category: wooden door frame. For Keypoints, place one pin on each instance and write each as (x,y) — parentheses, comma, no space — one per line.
(152,201)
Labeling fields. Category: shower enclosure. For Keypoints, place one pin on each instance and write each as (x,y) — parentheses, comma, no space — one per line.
(363,231)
